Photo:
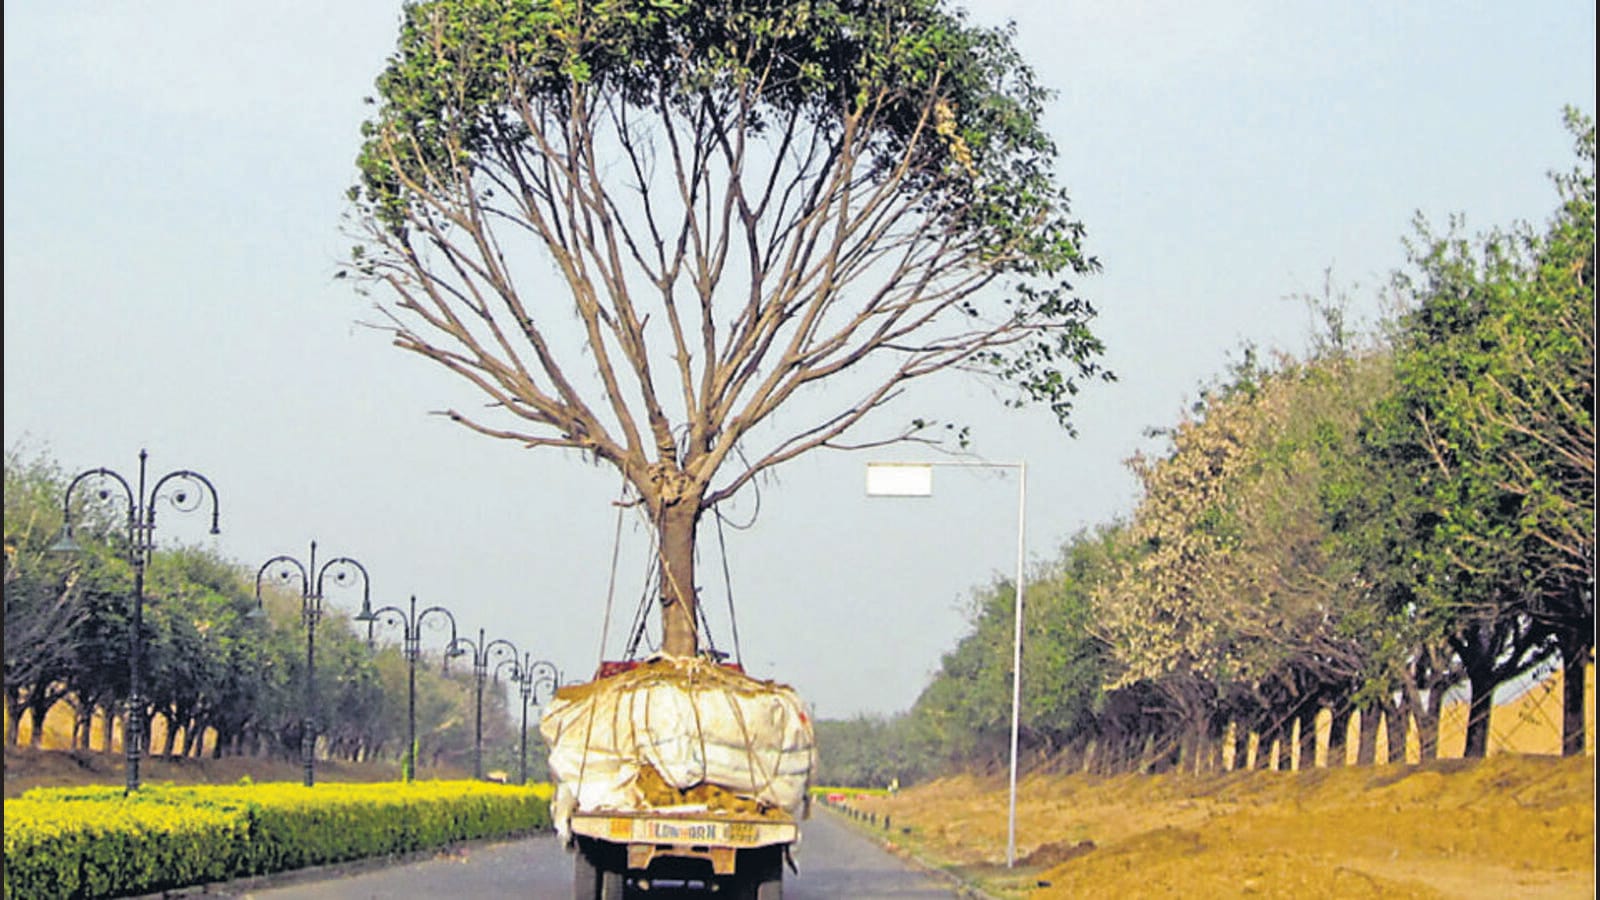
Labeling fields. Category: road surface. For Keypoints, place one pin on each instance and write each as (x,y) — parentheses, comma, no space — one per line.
(835,862)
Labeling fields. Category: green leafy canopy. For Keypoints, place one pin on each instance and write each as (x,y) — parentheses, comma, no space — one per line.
(460,63)
(946,110)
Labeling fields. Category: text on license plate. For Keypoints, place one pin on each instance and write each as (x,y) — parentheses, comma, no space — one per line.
(698,832)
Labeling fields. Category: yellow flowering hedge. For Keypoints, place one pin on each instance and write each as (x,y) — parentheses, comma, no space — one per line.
(852,791)
(96,842)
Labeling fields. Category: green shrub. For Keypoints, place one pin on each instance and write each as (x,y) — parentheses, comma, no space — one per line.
(97,842)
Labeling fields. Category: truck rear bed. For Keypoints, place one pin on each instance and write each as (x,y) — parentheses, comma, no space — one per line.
(689,834)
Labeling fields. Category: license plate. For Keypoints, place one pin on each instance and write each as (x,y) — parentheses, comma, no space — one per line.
(683,832)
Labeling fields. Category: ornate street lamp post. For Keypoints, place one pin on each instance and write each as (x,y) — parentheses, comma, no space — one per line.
(412,631)
(141,543)
(512,662)
(481,656)
(530,675)
(344,571)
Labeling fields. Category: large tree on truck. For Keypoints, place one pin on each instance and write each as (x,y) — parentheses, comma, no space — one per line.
(643,227)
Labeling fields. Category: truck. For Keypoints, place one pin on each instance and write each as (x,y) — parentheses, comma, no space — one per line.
(679,772)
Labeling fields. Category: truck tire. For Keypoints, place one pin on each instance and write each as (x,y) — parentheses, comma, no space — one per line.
(585,877)
(594,877)
(763,877)
(770,890)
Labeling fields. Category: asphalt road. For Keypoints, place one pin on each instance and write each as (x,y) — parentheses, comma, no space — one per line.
(835,862)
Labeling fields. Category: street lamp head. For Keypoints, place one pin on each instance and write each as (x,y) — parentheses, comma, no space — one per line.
(455,650)
(65,543)
(366,614)
(257,612)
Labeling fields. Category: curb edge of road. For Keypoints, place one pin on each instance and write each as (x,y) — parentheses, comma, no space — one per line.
(965,888)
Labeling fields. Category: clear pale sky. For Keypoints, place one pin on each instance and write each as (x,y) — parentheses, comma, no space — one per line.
(174,178)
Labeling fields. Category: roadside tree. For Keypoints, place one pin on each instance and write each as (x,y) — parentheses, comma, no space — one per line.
(1493,429)
(50,599)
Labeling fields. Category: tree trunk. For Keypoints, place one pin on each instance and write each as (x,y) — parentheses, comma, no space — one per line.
(79,726)
(108,724)
(1411,712)
(1338,737)
(81,712)
(171,736)
(36,716)
(1191,749)
(1482,682)
(1145,762)
(1397,722)
(1264,744)
(1206,761)
(1574,664)
(1427,717)
(13,720)
(1367,743)
(679,521)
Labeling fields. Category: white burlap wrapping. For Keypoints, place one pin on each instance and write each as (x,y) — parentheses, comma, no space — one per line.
(693,722)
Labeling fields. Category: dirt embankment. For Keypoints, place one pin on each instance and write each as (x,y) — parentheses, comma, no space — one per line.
(1507,826)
